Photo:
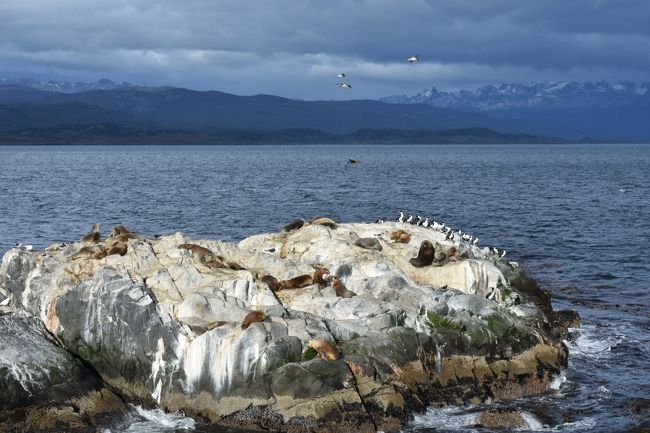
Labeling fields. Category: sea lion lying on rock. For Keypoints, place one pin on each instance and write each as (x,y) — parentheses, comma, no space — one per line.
(89,251)
(118,247)
(123,234)
(252,317)
(368,243)
(341,290)
(319,275)
(272,282)
(425,255)
(400,236)
(325,349)
(297,282)
(323,221)
(294,225)
(203,255)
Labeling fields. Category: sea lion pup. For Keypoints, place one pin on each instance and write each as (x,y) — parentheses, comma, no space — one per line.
(87,252)
(323,221)
(319,273)
(294,225)
(325,349)
(272,282)
(93,235)
(400,236)
(252,317)
(341,290)
(297,282)
(425,255)
(118,247)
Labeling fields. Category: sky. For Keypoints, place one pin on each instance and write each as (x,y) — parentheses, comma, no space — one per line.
(295,48)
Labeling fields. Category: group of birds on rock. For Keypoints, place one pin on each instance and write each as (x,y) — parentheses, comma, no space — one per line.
(450,234)
(345,85)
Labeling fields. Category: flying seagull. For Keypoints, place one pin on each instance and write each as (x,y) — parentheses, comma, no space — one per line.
(414,58)
(344,85)
(341,75)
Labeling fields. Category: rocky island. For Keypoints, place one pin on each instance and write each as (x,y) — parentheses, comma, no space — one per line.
(323,326)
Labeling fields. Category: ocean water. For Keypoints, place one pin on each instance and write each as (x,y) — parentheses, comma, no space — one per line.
(577,217)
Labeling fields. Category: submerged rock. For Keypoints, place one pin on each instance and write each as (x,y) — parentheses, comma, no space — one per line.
(164,329)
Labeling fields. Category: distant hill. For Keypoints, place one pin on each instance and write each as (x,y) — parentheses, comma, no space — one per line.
(114,134)
(571,109)
(209,111)
(507,110)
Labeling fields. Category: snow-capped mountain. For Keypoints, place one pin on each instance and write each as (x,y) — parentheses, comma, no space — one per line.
(543,95)
(66,87)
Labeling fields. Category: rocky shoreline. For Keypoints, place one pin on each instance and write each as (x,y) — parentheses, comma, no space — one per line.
(159,322)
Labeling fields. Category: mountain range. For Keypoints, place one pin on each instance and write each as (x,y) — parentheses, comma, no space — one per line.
(601,109)
(48,111)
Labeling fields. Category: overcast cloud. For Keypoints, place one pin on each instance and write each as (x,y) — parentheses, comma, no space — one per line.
(295,48)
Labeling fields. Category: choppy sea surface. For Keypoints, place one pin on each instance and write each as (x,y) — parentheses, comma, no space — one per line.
(577,217)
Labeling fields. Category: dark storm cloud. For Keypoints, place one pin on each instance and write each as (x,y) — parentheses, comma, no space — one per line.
(295,47)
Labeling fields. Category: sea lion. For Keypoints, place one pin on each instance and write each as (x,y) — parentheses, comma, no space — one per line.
(323,221)
(93,235)
(204,255)
(123,233)
(117,248)
(252,317)
(341,290)
(325,349)
(400,236)
(297,282)
(87,252)
(425,255)
(368,244)
(318,276)
(272,282)
(99,255)
(440,257)
(294,225)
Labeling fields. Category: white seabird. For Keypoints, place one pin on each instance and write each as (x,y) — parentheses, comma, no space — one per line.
(425,224)
(344,85)
(409,219)
(400,219)
(414,58)
(341,75)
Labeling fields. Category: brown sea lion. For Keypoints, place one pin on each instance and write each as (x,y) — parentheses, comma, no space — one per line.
(87,252)
(297,282)
(341,290)
(272,282)
(252,317)
(400,236)
(323,221)
(93,235)
(204,255)
(99,255)
(425,255)
(318,276)
(117,248)
(123,233)
(325,349)
(294,225)
(440,257)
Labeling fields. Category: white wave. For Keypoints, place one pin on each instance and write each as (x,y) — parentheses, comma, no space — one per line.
(590,345)
(156,421)
(558,381)
(449,418)
(532,423)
